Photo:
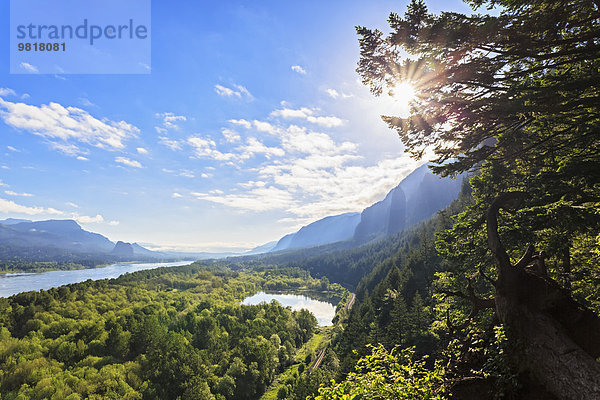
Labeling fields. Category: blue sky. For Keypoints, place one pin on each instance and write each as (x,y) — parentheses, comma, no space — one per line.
(251,123)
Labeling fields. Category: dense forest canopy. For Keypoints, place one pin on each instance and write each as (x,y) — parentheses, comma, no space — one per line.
(168,333)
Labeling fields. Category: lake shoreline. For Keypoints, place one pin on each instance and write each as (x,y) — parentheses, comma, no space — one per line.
(324,311)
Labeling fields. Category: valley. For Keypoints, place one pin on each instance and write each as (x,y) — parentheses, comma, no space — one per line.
(160,333)
(317,200)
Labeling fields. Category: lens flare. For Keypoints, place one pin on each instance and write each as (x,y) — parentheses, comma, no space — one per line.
(404,93)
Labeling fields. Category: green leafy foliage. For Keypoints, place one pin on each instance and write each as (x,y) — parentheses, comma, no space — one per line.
(383,375)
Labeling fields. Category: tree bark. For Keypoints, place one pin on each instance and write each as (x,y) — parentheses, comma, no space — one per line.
(558,339)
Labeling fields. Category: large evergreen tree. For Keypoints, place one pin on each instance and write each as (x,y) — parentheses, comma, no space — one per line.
(516,96)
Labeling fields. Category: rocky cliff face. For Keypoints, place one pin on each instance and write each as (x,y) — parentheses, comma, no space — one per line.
(420,195)
(384,217)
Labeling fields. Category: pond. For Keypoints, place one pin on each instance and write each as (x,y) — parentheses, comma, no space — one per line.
(323,311)
(14,283)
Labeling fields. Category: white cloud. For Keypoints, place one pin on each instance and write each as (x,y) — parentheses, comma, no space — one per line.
(128,162)
(291,113)
(84,101)
(263,126)
(238,91)
(298,69)
(176,195)
(241,89)
(142,150)
(7,92)
(13,149)
(10,207)
(29,68)
(207,148)
(114,223)
(84,219)
(230,135)
(328,122)
(300,139)
(67,148)
(252,184)
(171,144)
(308,115)
(224,91)
(3,184)
(11,193)
(72,205)
(318,177)
(257,199)
(242,122)
(254,146)
(169,120)
(333,93)
(61,124)
(186,173)
(82,158)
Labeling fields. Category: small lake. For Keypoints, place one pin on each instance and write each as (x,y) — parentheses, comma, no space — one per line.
(14,283)
(322,310)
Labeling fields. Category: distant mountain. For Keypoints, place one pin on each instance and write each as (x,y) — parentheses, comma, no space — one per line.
(327,230)
(64,234)
(12,221)
(265,248)
(62,239)
(142,251)
(419,196)
(122,249)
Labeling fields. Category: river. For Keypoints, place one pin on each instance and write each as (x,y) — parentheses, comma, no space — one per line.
(323,311)
(13,283)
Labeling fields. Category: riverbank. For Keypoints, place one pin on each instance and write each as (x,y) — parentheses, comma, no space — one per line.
(16,282)
(34,267)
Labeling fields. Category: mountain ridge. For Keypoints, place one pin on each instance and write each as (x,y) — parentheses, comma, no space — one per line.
(417,197)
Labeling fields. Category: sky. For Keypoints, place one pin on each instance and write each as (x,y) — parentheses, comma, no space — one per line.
(251,123)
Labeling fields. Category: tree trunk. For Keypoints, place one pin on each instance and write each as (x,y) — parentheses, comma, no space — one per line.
(557,338)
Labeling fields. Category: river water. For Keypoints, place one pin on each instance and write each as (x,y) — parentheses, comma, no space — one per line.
(322,310)
(14,283)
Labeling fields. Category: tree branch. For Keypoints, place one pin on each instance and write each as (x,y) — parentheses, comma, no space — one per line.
(510,200)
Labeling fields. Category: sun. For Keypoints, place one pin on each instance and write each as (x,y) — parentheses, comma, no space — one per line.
(403,94)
